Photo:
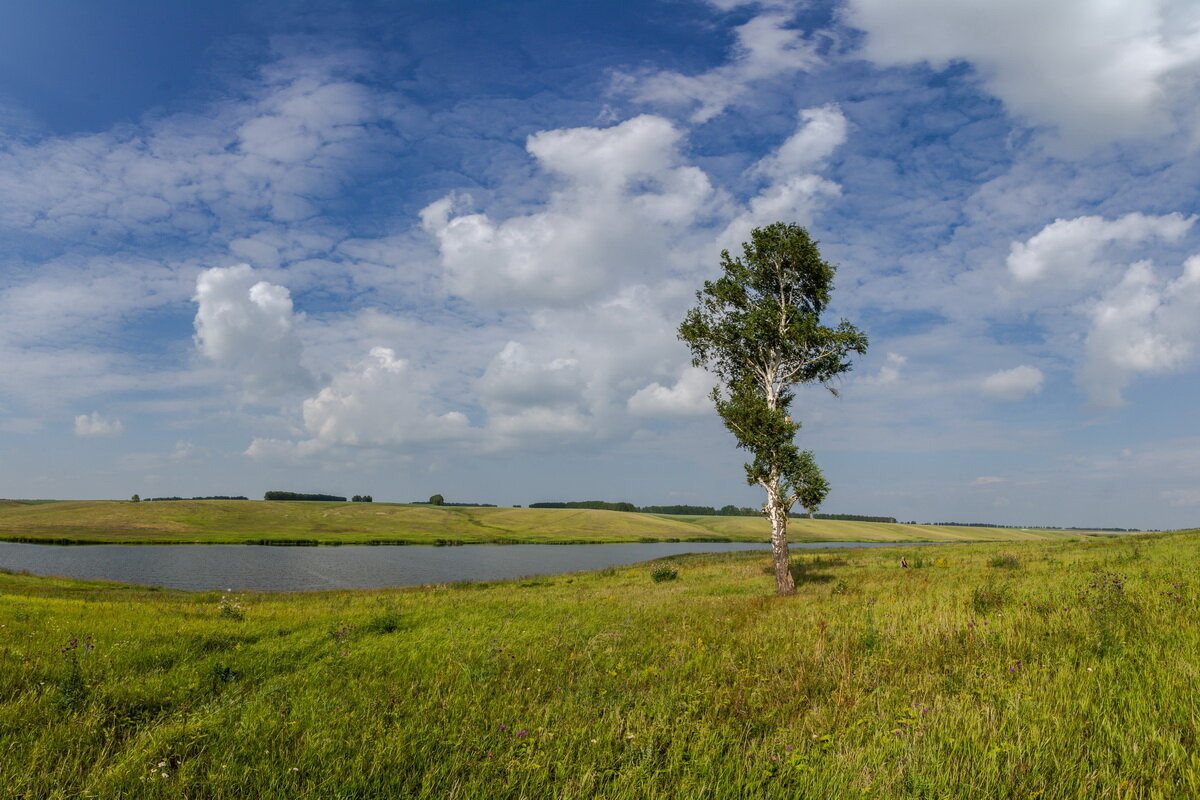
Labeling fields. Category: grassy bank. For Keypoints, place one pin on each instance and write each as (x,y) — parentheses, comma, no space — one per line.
(1031,669)
(253,522)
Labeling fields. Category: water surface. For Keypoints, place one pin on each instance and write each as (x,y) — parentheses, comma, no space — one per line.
(296,569)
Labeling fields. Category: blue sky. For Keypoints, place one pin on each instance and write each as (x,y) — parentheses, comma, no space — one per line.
(423,247)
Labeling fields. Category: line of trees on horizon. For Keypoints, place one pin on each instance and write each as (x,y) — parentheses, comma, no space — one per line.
(208,497)
(698,511)
(1038,527)
(276,495)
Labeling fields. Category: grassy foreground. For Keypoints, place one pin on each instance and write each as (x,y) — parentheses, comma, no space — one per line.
(257,521)
(1033,669)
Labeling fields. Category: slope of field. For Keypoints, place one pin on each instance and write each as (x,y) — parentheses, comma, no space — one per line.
(1049,669)
(253,521)
(822,530)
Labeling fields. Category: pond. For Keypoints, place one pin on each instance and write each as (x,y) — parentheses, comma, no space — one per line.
(297,569)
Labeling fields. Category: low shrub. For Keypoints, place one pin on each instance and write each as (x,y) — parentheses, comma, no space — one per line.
(989,597)
(387,620)
(664,573)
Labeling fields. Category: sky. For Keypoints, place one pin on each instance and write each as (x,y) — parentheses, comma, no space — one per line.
(405,248)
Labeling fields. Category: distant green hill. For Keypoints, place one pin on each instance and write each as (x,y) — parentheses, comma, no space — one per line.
(251,521)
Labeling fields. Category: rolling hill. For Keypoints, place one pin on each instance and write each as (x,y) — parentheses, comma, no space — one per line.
(280,522)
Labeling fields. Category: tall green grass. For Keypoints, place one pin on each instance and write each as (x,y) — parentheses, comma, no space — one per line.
(1072,676)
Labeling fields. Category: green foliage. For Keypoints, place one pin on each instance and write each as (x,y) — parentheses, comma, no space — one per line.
(1005,561)
(330,498)
(598,505)
(758,329)
(135,499)
(437,500)
(663,573)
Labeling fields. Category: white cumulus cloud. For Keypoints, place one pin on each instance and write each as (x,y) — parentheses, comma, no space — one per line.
(687,398)
(889,373)
(247,325)
(1132,319)
(624,202)
(96,425)
(1143,325)
(379,402)
(1097,70)
(1066,249)
(1013,384)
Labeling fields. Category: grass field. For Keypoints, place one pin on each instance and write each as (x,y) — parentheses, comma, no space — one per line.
(250,521)
(1047,669)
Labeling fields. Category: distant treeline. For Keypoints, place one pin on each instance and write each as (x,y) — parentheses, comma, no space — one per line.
(211,497)
(299,496)
(444,503)
(1023,527)
(697,511)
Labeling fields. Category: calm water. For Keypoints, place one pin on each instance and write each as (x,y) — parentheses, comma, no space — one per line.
(294,569)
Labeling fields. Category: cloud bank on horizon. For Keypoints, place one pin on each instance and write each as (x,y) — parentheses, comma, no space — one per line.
(347,264)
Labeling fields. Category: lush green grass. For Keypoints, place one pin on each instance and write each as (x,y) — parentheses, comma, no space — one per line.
(1046,669)
(249,521)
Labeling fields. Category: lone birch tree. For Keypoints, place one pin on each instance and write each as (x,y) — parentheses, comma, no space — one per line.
(758,329)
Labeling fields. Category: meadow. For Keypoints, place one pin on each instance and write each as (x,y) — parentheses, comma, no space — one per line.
(1048,669)
(279,522)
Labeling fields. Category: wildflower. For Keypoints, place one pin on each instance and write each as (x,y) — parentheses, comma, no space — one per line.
(522,733)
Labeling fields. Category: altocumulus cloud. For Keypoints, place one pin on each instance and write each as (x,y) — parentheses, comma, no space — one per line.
(765,49)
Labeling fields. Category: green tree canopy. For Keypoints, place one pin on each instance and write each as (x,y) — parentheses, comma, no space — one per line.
(758,329)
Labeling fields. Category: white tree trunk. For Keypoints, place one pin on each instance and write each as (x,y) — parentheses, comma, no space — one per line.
(784,585)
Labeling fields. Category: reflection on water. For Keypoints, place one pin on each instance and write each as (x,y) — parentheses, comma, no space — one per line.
(292,569)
